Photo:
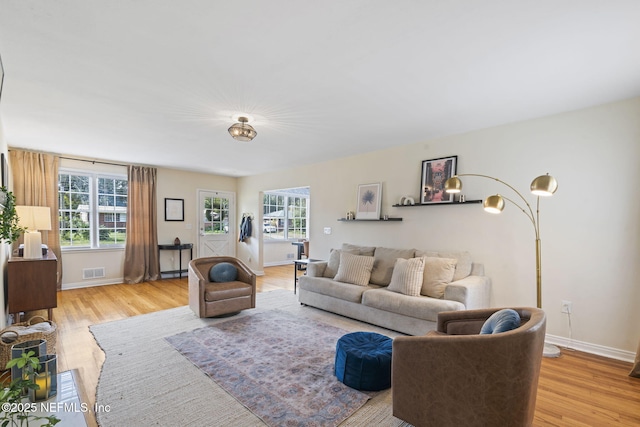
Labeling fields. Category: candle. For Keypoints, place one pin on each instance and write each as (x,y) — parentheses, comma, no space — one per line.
(43,380)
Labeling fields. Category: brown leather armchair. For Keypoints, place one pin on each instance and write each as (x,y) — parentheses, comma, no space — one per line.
(454,377)
(209,299)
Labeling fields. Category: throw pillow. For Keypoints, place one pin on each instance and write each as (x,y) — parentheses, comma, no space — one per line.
(501,321)
(438,273)
(384,260)
(355,269)
(463,267)
(223,272)
(407,276)
(333,264)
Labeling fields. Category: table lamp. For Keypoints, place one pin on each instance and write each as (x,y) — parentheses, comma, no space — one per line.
(33,219)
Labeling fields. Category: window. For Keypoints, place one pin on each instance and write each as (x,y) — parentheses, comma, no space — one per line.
(285,214)
(93,210)
(216,215)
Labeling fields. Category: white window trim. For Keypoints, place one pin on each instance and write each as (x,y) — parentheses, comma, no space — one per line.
(94,229)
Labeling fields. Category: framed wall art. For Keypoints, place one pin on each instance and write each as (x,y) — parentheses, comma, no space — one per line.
(174,209)
(434,174)
(369,199)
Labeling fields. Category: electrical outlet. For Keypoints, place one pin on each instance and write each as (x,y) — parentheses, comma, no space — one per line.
(565,307)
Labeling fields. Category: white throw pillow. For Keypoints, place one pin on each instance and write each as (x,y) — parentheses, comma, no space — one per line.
(407,276)
(355,269)
(438,273)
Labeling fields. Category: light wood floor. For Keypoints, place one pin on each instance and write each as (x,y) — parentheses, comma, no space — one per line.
(577,389)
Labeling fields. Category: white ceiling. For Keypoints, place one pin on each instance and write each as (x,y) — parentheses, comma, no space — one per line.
(157,82)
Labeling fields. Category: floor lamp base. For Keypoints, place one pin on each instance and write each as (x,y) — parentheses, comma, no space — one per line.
(551,350)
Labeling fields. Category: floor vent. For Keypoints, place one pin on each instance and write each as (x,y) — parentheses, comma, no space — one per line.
(92,273)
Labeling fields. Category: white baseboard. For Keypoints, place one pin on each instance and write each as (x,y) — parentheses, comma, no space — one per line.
(600,350)
(91,283)
(277,263)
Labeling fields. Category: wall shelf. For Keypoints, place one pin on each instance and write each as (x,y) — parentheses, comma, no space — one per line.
(468,202)
(370,220)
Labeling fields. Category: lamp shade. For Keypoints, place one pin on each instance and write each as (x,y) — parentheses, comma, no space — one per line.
(494,204)
(242,131)
(453,185)
(544,185)
(34,217)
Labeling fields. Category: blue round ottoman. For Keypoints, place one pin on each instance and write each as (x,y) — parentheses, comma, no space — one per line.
(363,361)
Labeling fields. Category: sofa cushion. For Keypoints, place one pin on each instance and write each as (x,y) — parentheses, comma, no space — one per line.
(354,269)
(408,275)
(438,273)
(223,272)
(501,321)
(421,307)
(329,287)
(384,262)
(332,265)
(463,267)
(357,249)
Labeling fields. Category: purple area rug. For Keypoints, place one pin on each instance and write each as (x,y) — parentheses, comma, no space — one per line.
(278,365)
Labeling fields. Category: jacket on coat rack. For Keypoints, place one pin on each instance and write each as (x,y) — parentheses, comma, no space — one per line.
(245,228)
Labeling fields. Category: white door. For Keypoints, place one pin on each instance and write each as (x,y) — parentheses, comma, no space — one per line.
(216,223)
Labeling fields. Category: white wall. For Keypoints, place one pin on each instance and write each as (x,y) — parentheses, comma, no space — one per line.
(590,233)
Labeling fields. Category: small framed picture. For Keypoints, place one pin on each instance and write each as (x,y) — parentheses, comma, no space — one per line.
(174,209)
(435,173)
(369,199)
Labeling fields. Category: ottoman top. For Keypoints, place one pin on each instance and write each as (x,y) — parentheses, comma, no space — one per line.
(366,343)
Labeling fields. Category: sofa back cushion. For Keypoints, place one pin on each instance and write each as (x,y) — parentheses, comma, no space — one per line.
(384,260)
(357,249)
(355,269)
(463,258)
(438,273)
(407,276)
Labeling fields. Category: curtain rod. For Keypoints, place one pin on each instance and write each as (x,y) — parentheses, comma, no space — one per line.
(93,161)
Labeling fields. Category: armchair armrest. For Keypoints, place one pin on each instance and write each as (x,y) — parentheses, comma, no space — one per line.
(472,291)
(316,268)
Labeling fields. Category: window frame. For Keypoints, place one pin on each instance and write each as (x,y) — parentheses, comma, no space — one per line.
(267,237)
(94,212)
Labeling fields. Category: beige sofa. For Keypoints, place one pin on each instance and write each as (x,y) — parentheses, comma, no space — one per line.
(386,295)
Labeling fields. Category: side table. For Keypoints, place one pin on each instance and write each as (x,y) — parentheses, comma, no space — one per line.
(32,284)
(297,265)
(178,248)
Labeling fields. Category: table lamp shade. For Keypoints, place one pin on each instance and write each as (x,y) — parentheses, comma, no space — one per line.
(33,218)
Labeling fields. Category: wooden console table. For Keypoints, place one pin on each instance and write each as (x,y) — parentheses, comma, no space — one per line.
(178,248)
(32,284)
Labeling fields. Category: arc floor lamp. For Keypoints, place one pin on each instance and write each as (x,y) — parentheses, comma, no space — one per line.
(542,186)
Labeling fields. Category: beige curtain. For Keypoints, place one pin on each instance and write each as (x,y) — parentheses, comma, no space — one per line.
(35,183)
(141,252)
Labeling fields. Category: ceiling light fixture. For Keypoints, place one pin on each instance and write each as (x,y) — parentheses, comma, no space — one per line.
(242,131)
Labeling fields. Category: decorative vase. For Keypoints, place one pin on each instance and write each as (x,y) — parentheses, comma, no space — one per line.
(176,241)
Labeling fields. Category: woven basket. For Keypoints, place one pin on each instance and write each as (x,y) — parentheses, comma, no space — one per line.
(9,337)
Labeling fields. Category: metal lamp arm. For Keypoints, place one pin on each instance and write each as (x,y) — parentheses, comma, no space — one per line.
(530,214)
(531,218)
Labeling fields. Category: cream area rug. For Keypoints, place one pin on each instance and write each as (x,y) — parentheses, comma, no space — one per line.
(145,381)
